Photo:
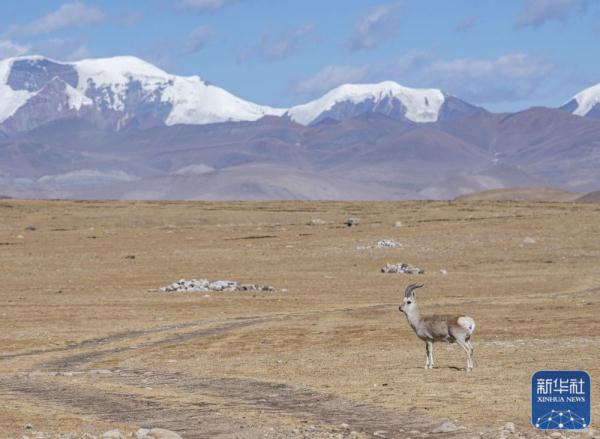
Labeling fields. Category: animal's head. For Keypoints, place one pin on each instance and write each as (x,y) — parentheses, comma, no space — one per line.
(409,301)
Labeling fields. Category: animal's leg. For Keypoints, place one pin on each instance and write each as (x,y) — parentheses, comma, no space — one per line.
(472,349)
(463,344)
(429,346)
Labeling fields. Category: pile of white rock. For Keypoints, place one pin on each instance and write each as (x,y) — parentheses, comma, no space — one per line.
(388,243)
(204,285)
(401,267)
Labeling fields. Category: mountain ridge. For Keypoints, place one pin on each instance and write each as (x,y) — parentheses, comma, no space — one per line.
(85,130)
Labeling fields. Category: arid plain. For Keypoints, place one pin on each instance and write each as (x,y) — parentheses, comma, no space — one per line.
(88,343)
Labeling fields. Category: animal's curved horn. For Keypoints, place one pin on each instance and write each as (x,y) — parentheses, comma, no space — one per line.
(410,288)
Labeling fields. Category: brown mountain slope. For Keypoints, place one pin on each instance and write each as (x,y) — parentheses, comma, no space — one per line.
(535,194)
(592,197)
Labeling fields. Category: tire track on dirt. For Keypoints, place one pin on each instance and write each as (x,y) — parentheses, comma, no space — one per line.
(128,335)
(299,402)
(199,419)
(194,420)
(79,360)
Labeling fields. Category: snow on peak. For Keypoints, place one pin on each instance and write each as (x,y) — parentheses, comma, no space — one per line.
(112,83)
(116,70)
(586,100)
(422,105)
(76,99)
(10,100)
(193,101)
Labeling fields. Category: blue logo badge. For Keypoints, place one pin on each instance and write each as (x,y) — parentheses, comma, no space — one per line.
(560,399)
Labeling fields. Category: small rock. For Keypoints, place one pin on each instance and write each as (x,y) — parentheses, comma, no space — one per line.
(401,268)
(20,237)
(113,434)
(315,222)
(31,228)
(398,224)
(203,285)
(509,427)
(28,426)
(161,433)
(344,426)
(380,433)
(142,433)
(528,240)
(444,272)
(446,427)
(130,257)
(350,222)
(388,243)
(556,435)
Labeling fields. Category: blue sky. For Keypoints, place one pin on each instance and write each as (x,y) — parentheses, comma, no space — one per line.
(505,55)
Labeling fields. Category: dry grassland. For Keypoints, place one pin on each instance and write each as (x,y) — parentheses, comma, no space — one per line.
(87,343)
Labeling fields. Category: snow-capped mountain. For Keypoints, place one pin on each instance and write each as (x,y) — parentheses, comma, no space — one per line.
(388,98)
(112,93)
(585,103)
(124,91)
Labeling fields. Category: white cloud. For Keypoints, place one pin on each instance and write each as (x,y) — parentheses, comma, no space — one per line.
(375,26)
(206,6)
(275,47)
(330,77)
(510,66)
(9,49)
(538,12)
(68,15)
(198,38)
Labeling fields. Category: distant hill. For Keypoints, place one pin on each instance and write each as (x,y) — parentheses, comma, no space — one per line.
(541,194)
(592,197)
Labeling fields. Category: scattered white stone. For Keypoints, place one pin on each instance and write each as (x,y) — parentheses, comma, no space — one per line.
(142,433)
(113,434)
(444,272)
(352,222)
(446,427)
(401,267)
(161,433)
(380,433)
(316,222)
(203,285)
(509,427)
(528,240)
(388,243)
(398,224)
